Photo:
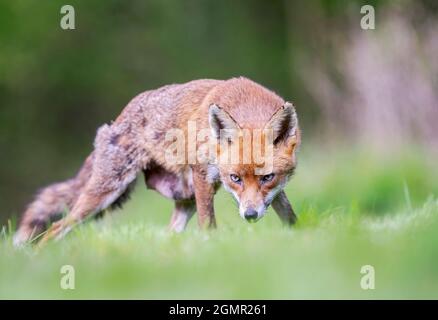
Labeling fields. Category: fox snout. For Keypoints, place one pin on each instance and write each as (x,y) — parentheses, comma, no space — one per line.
(252,213)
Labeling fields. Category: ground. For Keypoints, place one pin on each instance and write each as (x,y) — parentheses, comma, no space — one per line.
(354,209)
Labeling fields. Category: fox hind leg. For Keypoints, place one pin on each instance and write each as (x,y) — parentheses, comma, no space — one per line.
(184,210)
(50,204)
(88,204)
(48,207)
(92,200)
(116,163)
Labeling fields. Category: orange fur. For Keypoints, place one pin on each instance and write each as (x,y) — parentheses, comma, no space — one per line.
(136,141)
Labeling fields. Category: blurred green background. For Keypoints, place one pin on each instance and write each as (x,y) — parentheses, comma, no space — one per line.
(365,189)
(57,86)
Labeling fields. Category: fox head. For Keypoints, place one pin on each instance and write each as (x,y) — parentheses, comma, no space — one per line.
(265,158)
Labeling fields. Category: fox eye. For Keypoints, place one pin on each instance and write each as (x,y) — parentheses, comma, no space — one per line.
(267,178)
(235,178)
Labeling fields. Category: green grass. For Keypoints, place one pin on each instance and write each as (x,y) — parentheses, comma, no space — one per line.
(354,209)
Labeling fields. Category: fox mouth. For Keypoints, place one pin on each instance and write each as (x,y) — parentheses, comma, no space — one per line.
(252,215)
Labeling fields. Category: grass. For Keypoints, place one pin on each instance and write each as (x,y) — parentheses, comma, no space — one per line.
(354,209)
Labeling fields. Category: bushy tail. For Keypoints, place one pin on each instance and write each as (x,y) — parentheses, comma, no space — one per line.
(51,203)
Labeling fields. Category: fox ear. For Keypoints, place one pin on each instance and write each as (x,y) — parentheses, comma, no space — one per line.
(284,123)
(219,120)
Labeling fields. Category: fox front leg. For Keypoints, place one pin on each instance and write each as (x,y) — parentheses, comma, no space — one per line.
(284,209)
(204,195)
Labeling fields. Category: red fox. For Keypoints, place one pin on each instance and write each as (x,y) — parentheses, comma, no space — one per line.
(138,140)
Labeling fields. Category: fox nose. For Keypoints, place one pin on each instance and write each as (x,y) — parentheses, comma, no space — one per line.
(250,214)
